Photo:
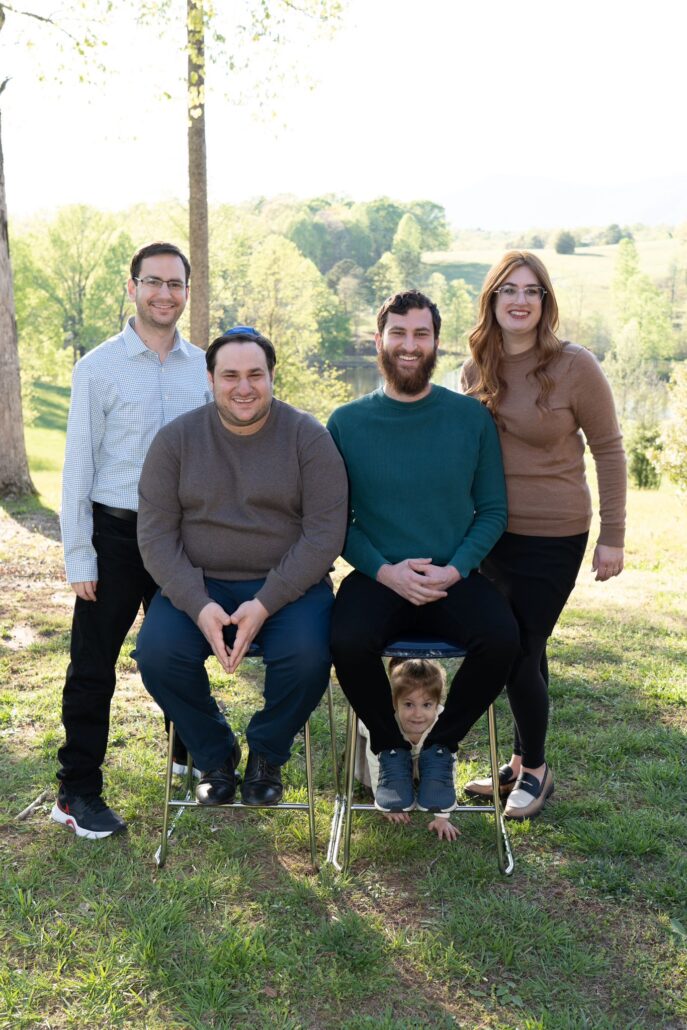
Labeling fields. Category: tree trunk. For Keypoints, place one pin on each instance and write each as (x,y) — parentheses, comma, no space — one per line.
(197,176)
(14,468)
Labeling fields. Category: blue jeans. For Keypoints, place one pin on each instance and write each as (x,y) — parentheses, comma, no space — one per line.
(171,652)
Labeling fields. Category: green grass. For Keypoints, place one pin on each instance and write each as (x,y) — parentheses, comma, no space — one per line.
(238,931)
(45,440)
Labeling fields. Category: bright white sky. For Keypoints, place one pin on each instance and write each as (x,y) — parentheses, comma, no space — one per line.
(511,115)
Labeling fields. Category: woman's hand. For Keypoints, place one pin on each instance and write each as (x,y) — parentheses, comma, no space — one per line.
(608,561)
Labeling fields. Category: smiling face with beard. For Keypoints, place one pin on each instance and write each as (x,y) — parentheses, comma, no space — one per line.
(406,354)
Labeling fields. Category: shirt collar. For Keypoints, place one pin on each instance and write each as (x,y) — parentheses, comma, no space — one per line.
(135,345)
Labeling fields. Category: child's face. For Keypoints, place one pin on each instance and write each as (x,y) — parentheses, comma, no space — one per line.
(416,712)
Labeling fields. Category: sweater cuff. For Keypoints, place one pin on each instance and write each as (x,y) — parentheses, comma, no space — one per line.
(271,595)
(195,604)
(611,536)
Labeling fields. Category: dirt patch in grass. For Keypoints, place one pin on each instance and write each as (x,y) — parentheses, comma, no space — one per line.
(19,637)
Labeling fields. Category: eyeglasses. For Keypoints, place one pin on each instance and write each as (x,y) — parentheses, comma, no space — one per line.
(153,283)
(528,292)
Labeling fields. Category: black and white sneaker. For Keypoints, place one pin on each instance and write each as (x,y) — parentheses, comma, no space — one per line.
(86,815)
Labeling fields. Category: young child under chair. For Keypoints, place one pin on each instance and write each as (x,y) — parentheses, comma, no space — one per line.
(417,687)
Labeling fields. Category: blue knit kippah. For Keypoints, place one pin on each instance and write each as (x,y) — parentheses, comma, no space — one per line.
(242,330)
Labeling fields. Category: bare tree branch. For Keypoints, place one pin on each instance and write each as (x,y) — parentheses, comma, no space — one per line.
(38,17)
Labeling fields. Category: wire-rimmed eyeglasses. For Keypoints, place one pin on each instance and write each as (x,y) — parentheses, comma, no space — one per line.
(528,292)
(153,283)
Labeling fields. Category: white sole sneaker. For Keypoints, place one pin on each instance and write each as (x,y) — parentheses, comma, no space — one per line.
(67,819)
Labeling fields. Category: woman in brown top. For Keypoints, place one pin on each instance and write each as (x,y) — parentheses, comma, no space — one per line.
(544,395)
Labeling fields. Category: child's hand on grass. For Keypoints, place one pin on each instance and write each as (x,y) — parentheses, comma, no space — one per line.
(397,817)
(444,829)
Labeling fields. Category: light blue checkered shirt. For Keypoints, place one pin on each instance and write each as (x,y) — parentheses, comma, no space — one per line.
(122,394)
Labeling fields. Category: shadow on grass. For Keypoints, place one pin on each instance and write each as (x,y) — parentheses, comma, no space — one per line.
(33,516)
(54,406)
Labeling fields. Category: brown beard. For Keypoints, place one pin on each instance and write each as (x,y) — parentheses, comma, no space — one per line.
(402,381)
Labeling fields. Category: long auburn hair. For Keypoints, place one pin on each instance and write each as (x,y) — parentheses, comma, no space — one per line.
(486,340)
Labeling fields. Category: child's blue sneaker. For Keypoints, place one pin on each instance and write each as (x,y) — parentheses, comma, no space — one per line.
(395,787)
(437,791)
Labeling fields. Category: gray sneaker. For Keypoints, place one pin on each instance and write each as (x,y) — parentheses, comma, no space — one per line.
(395,791)
(437,790)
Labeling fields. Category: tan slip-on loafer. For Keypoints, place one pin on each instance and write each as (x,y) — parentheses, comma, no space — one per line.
(484,788)
(529,795)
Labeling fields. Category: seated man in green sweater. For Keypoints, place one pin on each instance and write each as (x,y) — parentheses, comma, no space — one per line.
(242,511)
(427,503)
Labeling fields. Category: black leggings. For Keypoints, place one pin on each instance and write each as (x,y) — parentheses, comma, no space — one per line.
(536,574)
(368,615)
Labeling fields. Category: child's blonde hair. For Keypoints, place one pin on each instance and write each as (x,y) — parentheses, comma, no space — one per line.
(407,674)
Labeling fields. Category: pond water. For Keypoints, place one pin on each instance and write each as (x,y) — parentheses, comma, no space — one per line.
(364,379)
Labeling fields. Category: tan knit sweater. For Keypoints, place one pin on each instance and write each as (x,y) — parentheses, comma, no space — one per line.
(543,452)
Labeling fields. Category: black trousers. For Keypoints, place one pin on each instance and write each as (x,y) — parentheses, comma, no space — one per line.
(368,615)
(99,629)
(536,574)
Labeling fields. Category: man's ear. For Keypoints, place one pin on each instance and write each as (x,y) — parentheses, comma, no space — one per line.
(211,380)
(131,289)
(378,342)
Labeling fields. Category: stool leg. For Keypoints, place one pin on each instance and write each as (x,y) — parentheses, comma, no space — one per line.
(311,794)
(161,856)
(332,734)
(335,827)
(349,777)
(503,848)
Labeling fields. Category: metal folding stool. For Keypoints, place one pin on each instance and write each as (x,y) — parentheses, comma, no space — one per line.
(178,806)
(344,806)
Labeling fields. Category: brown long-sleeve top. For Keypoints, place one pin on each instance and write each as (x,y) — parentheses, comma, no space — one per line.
(214,503)
(543,451)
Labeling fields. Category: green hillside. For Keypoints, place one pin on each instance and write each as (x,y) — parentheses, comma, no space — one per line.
(582,278)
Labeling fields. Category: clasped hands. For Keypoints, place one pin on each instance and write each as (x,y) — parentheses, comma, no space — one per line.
(248,618)
(418,580)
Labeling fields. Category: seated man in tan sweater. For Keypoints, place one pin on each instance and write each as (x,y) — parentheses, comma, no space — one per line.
(242,512)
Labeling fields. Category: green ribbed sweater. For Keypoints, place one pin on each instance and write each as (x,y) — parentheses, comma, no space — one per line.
(425,480)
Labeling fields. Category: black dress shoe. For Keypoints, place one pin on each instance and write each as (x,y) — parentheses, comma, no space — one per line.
(261,782)
(218,786)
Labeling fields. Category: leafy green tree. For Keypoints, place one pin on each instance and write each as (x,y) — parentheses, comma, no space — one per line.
(352,288)
(626,266)
(382,216)
(672,458)
(311,238)
(383,278)
(638,300)
(407,253)
(458,314)
(643,446)
(434,230)
(456,303)
(565,242)
(637,387)
(72,279)
(333,323)
(614,234)
(284,299)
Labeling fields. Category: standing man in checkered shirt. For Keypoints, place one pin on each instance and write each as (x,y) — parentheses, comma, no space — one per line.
(123,392)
